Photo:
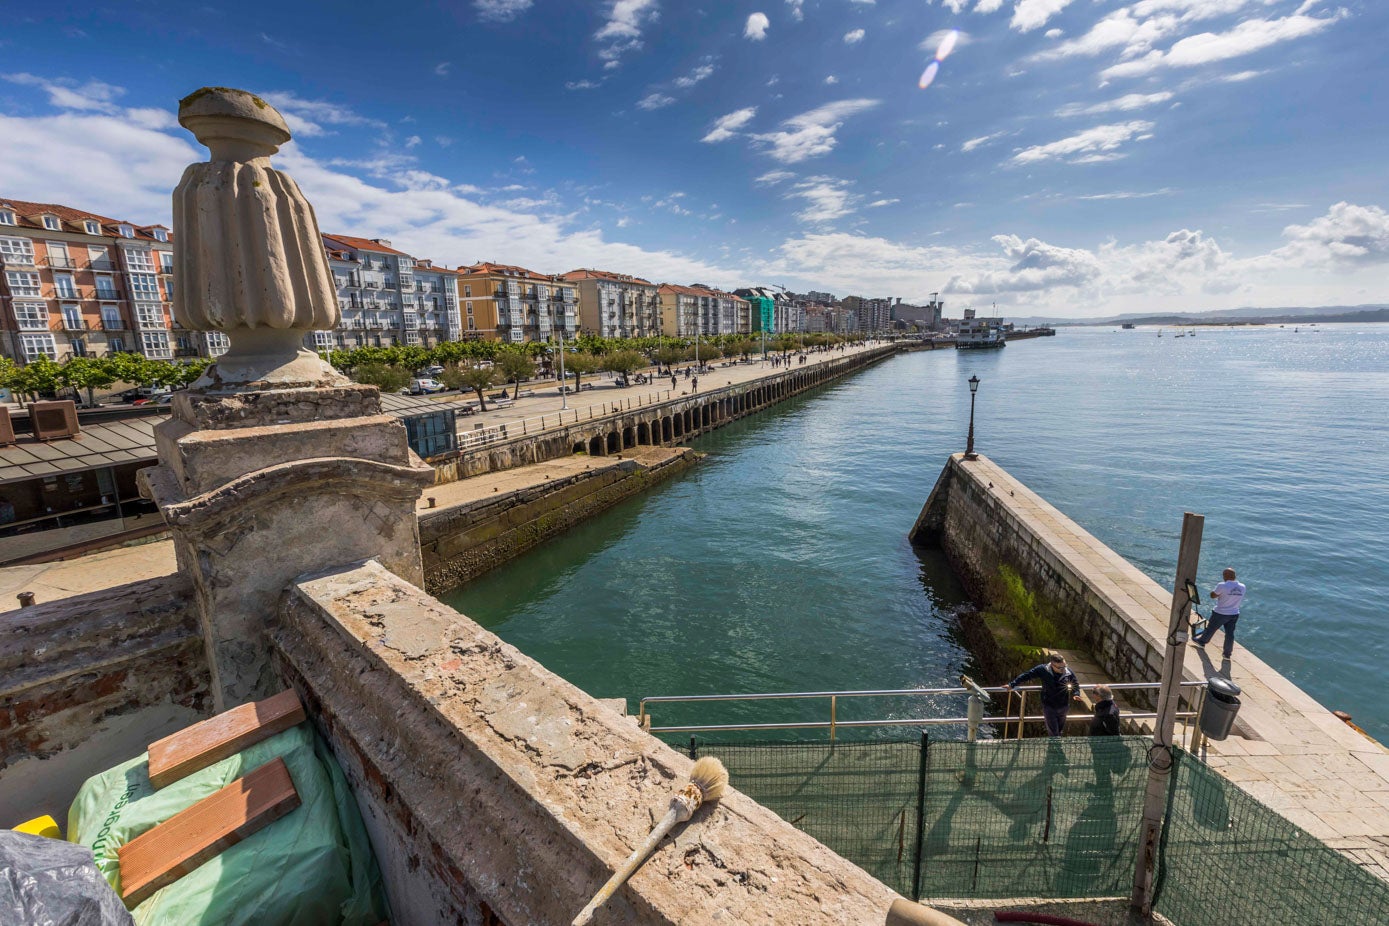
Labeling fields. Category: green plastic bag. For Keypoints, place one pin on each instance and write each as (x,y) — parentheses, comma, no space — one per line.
(313,865)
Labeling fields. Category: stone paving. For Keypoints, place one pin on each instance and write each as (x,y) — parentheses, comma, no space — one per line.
(1297,757)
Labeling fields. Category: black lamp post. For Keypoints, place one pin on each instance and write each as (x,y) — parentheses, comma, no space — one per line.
(969,444)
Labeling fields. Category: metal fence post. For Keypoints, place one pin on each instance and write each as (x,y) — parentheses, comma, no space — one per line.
(920,815)
(694,750)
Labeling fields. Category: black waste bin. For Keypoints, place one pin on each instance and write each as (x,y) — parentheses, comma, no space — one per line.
(1222,704)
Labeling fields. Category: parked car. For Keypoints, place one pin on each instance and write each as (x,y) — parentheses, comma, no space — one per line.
(433,371)
(142,395)
(425,386)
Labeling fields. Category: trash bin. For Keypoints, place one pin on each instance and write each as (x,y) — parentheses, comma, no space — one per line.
(1222,704)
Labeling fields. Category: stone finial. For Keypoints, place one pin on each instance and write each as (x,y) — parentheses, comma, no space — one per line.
(247,251)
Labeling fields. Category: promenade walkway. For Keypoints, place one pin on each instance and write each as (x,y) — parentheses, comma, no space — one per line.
(1296,757)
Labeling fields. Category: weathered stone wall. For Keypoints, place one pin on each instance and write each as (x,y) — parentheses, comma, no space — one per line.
(671,422)
(89,681)
(980,529)
(494,791)
(463,542)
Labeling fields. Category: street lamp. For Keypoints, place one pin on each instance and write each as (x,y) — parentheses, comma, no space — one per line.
(969,444)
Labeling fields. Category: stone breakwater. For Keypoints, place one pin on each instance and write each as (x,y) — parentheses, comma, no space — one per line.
(465,540)
(1288,751)
(667,423)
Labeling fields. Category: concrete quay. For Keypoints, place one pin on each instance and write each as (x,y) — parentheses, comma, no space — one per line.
(1288,751)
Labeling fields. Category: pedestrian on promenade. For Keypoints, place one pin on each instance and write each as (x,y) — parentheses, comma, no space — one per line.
(694,384)
(1106,719)
(673,381)
(1228,595)
(1059,686)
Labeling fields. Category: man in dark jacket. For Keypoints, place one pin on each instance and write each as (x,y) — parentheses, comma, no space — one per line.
(1059,686)
(1106,719)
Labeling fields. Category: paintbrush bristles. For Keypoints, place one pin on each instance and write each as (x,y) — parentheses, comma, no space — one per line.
(710,777)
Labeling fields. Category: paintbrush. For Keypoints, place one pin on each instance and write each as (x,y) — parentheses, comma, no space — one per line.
(708,779)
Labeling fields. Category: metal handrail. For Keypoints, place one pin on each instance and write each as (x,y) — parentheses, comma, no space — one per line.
(1020,717)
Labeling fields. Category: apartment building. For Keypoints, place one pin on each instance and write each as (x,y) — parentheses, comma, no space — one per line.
(873,315)
(615,305)
(74,284)
(733,314)
(387,297)
(517,305)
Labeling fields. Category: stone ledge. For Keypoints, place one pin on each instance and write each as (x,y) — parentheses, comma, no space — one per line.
(492,786)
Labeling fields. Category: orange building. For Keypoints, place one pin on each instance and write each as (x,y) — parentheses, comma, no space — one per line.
(514,304)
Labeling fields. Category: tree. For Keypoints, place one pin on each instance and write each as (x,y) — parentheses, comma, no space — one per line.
(580,363)
(472,376)
(516,366)
(387,377)
(88,373)
(669,355)
(39,377)
(623,362)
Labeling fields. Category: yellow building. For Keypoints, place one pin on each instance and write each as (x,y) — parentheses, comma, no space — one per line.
(514,304)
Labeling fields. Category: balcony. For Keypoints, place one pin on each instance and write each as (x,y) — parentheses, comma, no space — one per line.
(62,292)
(101,266)
(113,324)
(61,263)
(75,324)
(185,352)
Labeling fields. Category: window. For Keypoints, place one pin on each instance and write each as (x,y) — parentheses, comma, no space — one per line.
(160,235)
(169,290)
(72,317)
(17,251)
(51,223)
(23,284)
(63,286)
(139,259)
(166,261)
(35,345)
(31,316)
(470,307)
(323,340)
(99,257)
(155,345)
(412,337)
(6,217)
(217,343)
(111,318)
(125,231)
(144,286)
(105,288)
(150,315)
(93,228)
(467,290)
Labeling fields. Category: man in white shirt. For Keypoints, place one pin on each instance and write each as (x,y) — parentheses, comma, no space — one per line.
(1228,595)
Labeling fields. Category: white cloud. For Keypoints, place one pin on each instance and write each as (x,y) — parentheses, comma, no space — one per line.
(443,140)
(775,176)
(654,101)
(501,11)
(582,84)
(1127,194)
(797,13)
(932,42)
(878,203)
(1087,147)
(1033,14)
(854,36)
(831,80)
(1209,47)
(622,29)
(442,68)
(725,127)
(987,6)
(412,141)
(756,27)
(981,140)
(811,133)
(826,199)
(1053,33)
(1347,236)
(954,6)
(94,95)
(624,222)
(700,72)
(1126,103)
(306,118)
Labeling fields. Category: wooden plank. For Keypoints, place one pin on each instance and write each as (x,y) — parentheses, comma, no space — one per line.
(212,740)
(159,857)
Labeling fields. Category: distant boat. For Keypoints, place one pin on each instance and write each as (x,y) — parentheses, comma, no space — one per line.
(1127,326)
(1193,332)
(1159,332)
(1180,334)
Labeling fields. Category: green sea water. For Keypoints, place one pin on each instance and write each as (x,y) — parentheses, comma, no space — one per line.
(781,562)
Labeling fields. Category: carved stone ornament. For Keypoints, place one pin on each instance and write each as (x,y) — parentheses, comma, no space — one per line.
(247,251)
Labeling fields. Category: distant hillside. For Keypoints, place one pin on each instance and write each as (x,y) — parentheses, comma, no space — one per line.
(1269,315)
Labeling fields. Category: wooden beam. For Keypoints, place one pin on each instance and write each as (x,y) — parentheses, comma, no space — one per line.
(195,748)
(159,857)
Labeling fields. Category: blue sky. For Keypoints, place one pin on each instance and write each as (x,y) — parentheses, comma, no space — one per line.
(1071,157)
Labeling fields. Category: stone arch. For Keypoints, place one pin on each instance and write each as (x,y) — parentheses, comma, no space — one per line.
(614,442)
(629,437)
(667,430)
(678,426)
(581,447)
(643,432)
(595,445)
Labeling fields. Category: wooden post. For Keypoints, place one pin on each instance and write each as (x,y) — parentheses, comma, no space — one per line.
(1169,695)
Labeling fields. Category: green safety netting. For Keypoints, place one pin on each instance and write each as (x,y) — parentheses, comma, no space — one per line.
(1059,818)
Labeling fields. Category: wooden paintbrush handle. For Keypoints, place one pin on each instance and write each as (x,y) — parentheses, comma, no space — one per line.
(630,866)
